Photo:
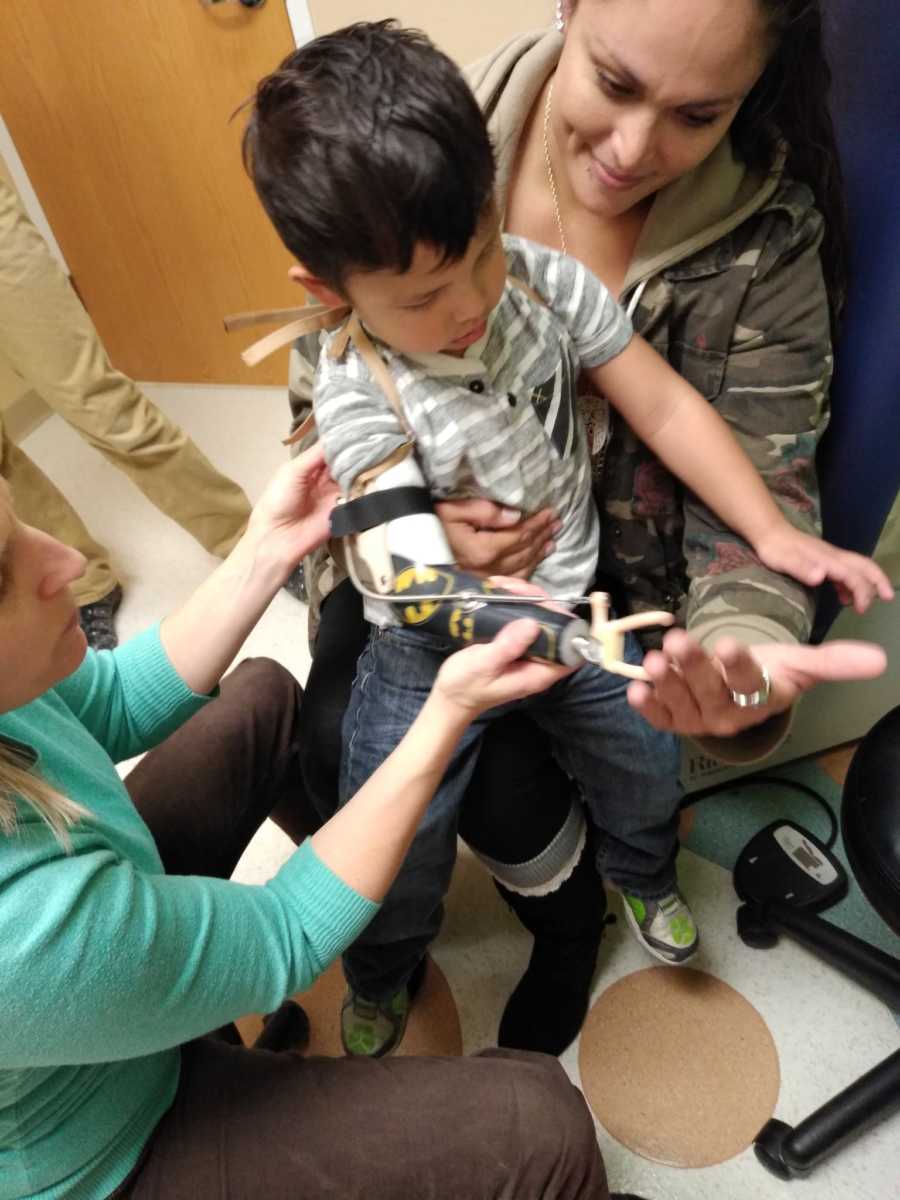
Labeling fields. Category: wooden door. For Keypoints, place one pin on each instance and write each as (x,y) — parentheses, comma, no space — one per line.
(120,111)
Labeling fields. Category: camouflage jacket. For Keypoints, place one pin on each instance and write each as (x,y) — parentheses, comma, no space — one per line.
(729,290)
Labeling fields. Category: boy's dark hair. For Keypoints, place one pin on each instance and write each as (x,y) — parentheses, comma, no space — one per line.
(365,142)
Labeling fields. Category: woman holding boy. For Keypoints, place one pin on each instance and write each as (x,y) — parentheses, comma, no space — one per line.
(686,156)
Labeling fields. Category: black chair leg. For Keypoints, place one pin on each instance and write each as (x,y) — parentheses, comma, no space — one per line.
(793,1152)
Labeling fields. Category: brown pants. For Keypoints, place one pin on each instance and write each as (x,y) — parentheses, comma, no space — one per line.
(247,1123)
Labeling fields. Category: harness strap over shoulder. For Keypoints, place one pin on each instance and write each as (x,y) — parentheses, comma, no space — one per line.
(315,317)
(528,290)
(267,316)
(318,317)
(354,331)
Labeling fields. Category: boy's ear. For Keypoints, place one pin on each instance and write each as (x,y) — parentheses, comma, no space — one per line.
(317,287)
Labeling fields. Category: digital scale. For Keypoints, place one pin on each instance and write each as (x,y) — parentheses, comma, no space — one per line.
(787,863)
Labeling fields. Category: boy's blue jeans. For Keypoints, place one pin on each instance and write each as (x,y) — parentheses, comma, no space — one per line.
(627,772)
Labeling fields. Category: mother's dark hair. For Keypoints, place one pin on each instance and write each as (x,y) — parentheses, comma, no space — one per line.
(790,101)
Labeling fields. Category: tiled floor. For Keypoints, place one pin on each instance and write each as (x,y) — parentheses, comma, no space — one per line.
(826,1029)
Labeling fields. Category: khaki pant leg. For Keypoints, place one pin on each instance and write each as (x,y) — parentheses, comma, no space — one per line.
(50,341)
(40,503)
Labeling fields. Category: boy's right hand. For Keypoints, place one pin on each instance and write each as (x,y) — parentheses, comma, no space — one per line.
(484,676)
(488,539)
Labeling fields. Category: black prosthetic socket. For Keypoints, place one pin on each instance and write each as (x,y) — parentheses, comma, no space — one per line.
(547,1008)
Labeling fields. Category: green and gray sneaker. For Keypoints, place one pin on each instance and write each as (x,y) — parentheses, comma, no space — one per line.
(664,927)
(370,1028)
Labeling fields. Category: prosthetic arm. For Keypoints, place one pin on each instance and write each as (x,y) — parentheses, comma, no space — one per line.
(397,552)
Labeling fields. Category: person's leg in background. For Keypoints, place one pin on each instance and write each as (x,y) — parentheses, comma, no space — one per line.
(40,503)
(524,818)
(48,339)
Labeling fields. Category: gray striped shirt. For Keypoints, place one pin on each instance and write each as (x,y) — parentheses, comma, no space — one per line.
(501,421)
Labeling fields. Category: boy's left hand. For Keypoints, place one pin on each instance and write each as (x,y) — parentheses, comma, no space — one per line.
(857,579)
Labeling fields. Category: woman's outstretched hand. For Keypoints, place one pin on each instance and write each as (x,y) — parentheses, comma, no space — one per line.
(690,691)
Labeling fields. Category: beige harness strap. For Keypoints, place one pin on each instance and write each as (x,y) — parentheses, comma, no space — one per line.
(316,317)
(267,316)
(364,478)
(354,332)
(528,290)
(301,431)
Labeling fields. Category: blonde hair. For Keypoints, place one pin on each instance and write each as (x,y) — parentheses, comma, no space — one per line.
(17,774)
(18,778)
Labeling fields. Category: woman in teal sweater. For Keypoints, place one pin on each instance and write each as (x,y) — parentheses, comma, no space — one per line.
(123,944)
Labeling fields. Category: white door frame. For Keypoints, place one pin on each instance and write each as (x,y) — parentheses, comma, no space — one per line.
(301,21)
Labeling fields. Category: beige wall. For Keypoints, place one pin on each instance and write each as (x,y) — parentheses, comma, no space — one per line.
(466,29)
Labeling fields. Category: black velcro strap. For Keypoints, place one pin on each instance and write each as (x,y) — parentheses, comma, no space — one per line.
(377,508)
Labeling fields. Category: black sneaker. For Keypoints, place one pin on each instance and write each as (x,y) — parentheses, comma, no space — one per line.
(97,620)
(295,585)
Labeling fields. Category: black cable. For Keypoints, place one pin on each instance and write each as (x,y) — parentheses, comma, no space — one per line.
(752,780)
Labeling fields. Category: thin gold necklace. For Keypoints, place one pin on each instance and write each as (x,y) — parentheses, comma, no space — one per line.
(551,178)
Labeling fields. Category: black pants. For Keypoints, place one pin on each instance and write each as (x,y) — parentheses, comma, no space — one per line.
(249,1123)
(519,797)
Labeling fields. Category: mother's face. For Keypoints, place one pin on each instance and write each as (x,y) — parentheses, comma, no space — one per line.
(645,90)
(41,641)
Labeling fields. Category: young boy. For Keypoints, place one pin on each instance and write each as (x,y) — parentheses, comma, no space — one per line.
(373,162)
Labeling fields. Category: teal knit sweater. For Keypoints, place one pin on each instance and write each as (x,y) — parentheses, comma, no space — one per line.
(106,963)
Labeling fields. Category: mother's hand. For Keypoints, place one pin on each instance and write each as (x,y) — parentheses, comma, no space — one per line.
(488,539)
(690,692)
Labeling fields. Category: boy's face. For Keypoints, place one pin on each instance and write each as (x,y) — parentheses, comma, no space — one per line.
(434,306)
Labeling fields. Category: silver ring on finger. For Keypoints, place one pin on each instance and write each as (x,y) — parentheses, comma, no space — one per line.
(756,699)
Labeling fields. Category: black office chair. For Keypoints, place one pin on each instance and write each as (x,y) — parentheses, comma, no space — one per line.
(870,819)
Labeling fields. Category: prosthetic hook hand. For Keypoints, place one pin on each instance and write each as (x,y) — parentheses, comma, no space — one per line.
(394,539)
